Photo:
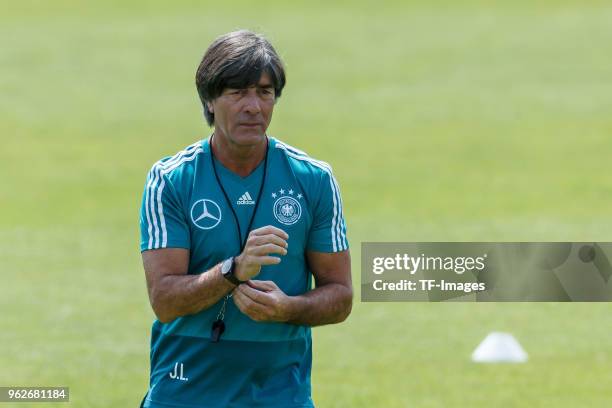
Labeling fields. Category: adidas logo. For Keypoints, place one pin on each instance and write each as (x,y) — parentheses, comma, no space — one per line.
(245,199)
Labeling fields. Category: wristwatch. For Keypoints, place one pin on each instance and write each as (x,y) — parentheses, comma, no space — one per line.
(228,268)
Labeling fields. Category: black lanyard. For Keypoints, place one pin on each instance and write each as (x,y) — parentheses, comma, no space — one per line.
(242,241)
(218,326)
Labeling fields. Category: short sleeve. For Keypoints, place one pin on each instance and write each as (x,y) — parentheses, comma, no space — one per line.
(162,220)
(328,230)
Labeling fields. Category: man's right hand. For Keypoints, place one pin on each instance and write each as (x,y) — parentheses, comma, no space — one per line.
(260,243)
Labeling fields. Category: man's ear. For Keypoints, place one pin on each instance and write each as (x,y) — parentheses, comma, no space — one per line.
(210,107)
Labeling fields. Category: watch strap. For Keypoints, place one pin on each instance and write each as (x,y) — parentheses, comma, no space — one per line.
(230,274)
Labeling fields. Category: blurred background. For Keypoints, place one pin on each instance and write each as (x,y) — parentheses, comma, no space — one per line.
(454,121)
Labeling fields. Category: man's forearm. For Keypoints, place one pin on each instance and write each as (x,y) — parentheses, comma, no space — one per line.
(180,295)
(326,304)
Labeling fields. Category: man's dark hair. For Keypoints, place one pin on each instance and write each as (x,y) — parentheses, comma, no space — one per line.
(237,60)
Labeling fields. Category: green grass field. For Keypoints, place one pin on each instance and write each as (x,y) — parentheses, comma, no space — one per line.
(472,121)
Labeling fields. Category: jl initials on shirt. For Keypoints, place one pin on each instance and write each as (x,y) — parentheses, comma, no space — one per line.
(175,375)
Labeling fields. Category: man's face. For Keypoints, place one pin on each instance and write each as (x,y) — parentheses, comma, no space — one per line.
(243,115)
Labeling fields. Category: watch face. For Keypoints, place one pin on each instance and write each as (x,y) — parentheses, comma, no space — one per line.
(227,266)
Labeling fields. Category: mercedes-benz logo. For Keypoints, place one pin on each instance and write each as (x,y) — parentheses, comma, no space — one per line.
(205,214)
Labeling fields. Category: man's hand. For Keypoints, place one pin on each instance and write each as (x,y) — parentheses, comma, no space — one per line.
(260,243)
(263,301)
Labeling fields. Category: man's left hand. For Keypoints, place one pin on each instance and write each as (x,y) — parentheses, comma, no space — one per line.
(262,301)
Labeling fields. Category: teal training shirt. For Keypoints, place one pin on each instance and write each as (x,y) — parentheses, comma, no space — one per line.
(254,364)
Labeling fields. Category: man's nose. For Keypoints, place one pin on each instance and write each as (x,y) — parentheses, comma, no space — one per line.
(252,103)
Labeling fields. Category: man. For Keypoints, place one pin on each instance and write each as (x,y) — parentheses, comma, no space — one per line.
(233,227)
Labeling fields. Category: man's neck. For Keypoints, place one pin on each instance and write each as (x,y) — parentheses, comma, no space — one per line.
(241,160)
